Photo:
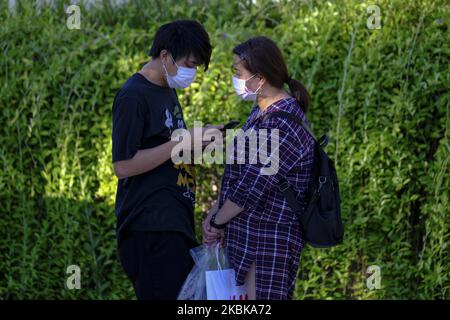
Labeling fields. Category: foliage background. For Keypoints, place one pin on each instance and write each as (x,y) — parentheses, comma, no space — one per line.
(382,96)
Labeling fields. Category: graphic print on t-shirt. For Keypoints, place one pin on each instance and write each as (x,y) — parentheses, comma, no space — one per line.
(186,172)
(179,116)
(186,179)
(168,123)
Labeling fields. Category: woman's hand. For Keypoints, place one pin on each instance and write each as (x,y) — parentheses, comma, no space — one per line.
(220,233)
(210,236)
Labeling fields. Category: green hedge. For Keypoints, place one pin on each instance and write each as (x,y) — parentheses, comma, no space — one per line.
(382,95)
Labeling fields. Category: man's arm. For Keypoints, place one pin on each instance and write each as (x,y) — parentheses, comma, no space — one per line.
(148,159)
(144,160)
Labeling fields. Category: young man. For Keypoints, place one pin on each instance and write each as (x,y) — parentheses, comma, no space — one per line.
(155,198)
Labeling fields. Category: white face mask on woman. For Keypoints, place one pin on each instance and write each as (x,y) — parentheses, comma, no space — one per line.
(242,91)
(183,78)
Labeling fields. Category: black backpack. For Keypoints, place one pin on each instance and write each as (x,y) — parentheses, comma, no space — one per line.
(321,220)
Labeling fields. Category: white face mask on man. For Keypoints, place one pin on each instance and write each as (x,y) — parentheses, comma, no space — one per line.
(242,91)
(184,77)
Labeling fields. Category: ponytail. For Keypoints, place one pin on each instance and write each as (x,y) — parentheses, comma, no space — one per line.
(299,92)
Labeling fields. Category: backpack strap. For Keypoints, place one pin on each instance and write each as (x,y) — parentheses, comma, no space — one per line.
(283,185)
(323,141)
(291,117)
(290,196)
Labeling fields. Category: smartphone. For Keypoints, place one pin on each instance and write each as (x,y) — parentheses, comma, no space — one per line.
(230,125)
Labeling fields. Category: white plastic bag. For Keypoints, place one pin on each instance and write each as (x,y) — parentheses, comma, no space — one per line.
(211,277)
(194,287)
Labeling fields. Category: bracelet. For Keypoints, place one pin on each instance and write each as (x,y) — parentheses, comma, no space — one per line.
(215,225)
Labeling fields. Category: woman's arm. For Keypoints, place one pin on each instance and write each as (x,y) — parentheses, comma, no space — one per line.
(228,211)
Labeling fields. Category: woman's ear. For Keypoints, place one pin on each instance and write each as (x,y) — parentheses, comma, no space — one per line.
(262,80)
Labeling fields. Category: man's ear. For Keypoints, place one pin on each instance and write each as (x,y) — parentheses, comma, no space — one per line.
(164,56)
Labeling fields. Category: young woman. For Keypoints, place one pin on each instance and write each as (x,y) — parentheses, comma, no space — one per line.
(252,217)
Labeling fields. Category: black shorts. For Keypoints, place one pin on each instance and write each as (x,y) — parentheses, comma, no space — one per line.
(156,262)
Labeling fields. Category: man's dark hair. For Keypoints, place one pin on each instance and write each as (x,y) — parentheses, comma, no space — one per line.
(183,38)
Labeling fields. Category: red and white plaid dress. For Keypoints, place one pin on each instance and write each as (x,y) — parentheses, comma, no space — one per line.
(267,232)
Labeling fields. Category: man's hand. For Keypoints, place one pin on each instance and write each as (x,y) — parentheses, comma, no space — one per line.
(202,142)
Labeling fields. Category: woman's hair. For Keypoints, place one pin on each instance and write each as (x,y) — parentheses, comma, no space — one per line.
(261,55)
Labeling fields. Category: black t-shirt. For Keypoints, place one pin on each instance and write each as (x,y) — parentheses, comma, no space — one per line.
(162,199)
